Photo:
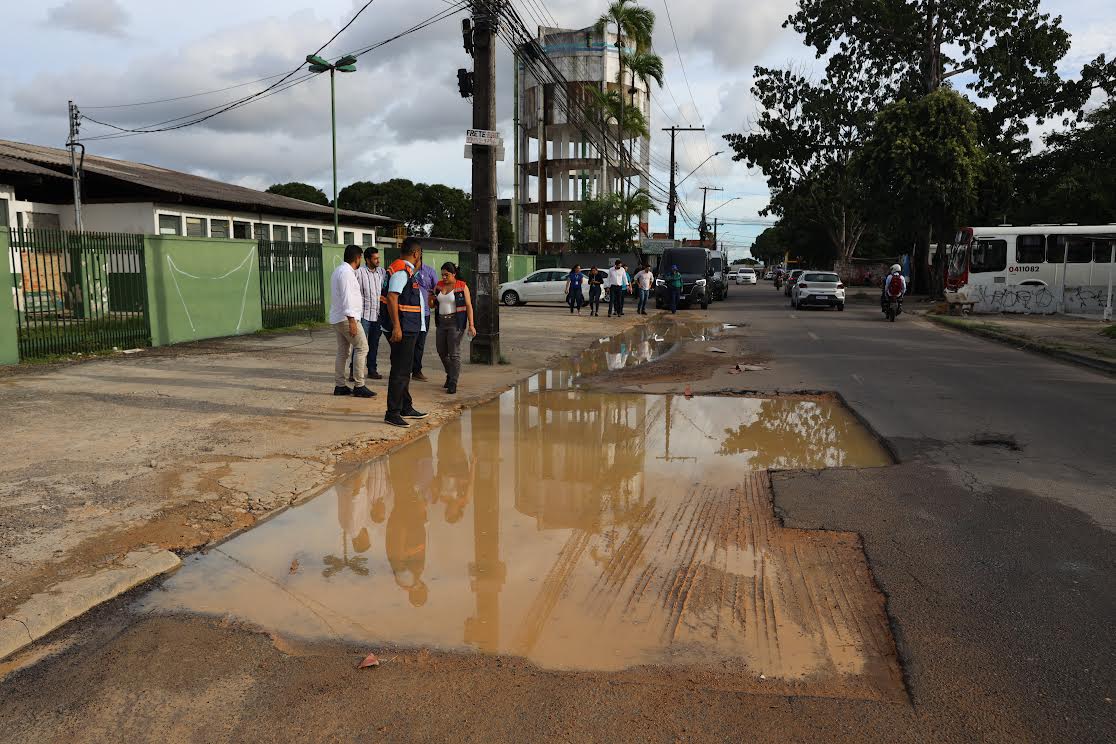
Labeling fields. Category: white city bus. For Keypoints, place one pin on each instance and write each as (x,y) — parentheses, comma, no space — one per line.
(1033,269)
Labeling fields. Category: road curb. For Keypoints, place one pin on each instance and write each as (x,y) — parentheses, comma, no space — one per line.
(1097,365)
(47,611)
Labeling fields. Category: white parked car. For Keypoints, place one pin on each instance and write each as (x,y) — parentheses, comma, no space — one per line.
(822,288)
(543,285)
(746,276)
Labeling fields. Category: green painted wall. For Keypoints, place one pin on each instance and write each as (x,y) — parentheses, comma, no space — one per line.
(9,322)
(332,256)
(200,288)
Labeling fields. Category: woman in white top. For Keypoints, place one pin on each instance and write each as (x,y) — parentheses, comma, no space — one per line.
(453,306)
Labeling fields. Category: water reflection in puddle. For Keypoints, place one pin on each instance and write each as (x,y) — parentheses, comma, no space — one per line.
(639,345)
(580,530)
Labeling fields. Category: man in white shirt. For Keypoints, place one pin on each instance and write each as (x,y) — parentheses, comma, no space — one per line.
(344,315)
(370,277)
(619,285)
(644,280)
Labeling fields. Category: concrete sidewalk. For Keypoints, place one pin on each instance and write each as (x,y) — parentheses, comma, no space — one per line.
(181,446)
(1070,338)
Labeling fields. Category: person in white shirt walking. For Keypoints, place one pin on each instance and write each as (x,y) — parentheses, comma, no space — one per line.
(619,285)
(644,280)
(370,277)
(344,315)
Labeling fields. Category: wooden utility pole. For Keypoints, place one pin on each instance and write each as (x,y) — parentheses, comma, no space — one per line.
(485,348)
(672,197)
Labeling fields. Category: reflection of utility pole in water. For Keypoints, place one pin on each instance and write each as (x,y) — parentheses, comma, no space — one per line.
(487,572)
(666,452)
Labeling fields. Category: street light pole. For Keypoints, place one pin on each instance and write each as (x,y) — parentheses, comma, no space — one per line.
(345,64)
(333,137)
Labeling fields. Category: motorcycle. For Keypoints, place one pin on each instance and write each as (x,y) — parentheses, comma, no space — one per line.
(893,306)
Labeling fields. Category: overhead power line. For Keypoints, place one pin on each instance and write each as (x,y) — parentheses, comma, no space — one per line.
(198,117)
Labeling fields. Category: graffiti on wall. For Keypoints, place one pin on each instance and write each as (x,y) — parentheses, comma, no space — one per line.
(1038,299)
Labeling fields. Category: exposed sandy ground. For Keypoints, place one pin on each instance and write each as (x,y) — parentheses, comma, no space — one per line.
(181,446)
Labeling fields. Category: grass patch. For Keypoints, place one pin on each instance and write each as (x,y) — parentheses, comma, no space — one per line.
(504,360)
(1109,331)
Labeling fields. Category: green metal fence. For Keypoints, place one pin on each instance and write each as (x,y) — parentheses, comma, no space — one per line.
(79,292)
(291,283)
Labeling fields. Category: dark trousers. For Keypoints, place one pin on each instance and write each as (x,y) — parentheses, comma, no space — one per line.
(399,378)
(420,347)
(372,333)
(575,299)
(595,299)
(675,292)
(617,306)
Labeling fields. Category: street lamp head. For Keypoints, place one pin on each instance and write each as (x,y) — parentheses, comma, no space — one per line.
(314,59)
(319,68)
(347,60)
(346,68)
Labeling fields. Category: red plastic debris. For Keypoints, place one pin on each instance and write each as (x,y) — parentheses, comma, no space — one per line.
(369,661)
(688,392)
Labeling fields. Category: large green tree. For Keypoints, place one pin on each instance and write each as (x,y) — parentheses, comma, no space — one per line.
(803,141)
(1074,178)
(923,165)
(297,190)
(1005,51)
(426,209)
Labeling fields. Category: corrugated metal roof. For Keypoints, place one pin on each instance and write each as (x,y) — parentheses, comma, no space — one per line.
(14,165)
(179,184)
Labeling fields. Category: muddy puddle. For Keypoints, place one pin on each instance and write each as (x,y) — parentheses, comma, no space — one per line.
(582,531)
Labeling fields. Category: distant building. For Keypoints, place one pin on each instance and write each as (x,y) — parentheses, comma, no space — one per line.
(36,192)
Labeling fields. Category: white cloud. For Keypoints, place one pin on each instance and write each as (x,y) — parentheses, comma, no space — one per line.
(104,17)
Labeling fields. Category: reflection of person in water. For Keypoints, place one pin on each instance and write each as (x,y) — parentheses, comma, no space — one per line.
(352,516)
(409,473)
(453,484)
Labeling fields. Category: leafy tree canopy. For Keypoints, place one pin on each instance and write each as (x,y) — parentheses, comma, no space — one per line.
(426,209)
(600,225)
(297,190)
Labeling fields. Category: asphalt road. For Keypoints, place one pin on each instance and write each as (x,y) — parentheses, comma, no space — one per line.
(992,540)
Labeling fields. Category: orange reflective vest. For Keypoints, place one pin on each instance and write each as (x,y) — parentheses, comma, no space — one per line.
(410,300)
(462,318)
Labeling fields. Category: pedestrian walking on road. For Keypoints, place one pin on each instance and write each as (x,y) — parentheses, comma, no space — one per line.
(402,320)
(454,319)
(370,277)
(620,285)
(427,279)
(674,284)
(574,297)
(596,280)
(344,315)
(644,281)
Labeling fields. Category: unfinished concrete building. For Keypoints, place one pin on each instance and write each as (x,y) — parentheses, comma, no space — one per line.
(559,158)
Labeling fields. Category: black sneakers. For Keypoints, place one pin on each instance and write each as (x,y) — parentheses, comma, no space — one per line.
(342,390)
(363,392)
(451,388)
(413,413)
(396,420)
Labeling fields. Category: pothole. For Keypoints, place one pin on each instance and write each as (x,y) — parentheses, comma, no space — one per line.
(997,441)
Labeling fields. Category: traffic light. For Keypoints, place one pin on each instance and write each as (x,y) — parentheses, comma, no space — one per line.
(464,82)
(467,36)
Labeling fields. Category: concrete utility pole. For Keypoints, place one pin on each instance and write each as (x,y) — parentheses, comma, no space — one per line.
(703,228)
(72,143)
(672,197)
(485,348)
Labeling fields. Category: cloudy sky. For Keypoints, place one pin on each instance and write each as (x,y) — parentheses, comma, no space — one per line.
(400,114)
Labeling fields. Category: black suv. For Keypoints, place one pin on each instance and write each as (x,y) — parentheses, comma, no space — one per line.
(697,275)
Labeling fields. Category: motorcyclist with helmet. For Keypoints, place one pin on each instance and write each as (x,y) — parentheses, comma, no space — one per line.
(894,285)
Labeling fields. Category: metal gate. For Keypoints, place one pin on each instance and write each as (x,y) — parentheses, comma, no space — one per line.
(79,292)
(291,283)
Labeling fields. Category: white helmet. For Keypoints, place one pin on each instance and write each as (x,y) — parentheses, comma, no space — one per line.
(896,268)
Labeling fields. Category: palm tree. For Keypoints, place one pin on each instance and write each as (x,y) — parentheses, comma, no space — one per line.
(638,202)
(633,22)
(645,66)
